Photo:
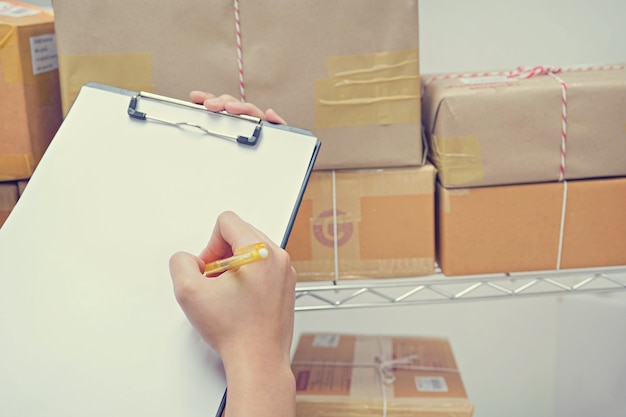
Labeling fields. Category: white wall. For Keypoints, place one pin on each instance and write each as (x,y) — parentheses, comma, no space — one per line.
(467,35)
(507,350)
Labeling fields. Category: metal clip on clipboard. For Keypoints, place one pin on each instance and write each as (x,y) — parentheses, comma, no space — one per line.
(243,140)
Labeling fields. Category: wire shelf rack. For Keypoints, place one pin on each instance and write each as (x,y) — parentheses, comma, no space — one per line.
(438,288)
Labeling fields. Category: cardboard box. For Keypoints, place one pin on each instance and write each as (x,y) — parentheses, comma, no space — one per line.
(497,130)
(348,71)
(518,227)
(30,108)
(384,225)
(21,186)
(8,199)
(359,375)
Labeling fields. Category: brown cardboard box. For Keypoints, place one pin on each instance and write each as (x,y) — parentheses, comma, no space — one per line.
(517,227)
(8,199)
(385,224)
(21,186)
(358,375)
(348,70)
(497,130)
(30,108)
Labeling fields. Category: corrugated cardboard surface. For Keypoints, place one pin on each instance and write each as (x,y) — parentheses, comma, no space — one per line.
(30,108)
(508,130)
(516,228)
(8,199)
(348,71)
(384,225)
(360,375)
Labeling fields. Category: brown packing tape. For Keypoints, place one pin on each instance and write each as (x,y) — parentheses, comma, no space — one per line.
(369,89)
(6,32)
(458,159)
(128,71)
(10,54)
(15,167)
(445,194)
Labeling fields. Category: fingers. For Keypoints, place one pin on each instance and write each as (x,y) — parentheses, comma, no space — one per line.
(272,116)
(230,104)
(233,106)
(230,233)
(185,269)
(199,97)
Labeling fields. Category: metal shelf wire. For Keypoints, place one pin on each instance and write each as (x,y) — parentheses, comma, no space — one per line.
(438,288)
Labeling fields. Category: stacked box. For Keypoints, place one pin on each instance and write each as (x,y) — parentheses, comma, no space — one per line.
(369,223)
(348,71)
(508,129)
(532,227)
(531,169)
(364,376)
(30,108)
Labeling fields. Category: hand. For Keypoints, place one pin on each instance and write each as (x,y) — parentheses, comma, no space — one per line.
(246,315)
(234,106)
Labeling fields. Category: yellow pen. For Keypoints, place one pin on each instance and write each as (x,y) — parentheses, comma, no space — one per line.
(245,255)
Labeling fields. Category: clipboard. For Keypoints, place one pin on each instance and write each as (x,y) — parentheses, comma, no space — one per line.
(88,320)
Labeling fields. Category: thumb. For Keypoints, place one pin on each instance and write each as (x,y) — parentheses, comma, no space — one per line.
(274,117)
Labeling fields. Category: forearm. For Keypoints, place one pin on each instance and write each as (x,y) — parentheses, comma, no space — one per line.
(260,388)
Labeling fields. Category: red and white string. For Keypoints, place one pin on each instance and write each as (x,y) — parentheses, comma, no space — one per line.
(242,87)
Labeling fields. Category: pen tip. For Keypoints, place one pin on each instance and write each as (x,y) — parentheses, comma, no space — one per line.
(264,253)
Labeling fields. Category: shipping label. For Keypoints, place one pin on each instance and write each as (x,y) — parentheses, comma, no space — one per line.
(43,51)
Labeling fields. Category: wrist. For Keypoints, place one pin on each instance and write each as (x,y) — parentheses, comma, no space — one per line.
(259,384)
(256,360)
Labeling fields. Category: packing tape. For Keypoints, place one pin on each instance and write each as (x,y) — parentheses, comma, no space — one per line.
(444,197)
(129,71)
(14,167)
(9,54)
(6,32)
(370,89)
(458,159)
